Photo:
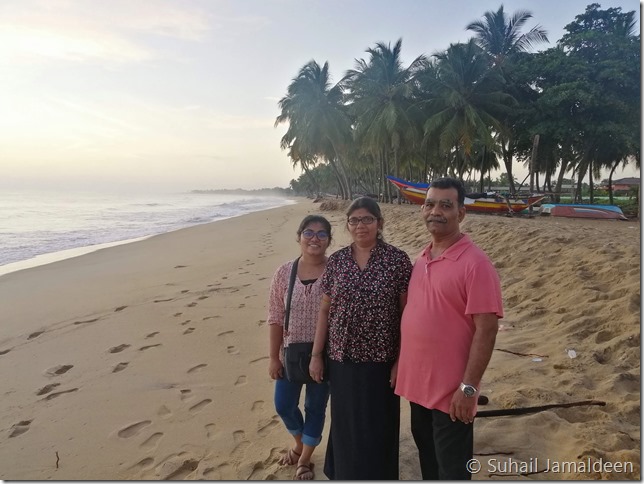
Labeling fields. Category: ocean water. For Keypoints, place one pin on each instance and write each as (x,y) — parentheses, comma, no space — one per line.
(41,227)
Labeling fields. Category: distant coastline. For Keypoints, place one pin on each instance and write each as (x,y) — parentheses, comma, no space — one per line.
(240,191)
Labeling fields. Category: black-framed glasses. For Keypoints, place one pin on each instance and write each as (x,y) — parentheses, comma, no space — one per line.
(367,220)
(321,234)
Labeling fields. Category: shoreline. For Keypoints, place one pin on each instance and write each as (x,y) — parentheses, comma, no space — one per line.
(148,360)
(60,255)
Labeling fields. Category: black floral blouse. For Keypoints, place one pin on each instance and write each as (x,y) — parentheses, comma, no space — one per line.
(364,318)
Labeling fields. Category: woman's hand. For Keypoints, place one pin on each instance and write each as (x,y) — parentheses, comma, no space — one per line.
(275,368)
(393,375)
(316,368)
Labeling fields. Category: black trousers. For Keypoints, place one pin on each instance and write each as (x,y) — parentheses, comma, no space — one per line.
(444,447)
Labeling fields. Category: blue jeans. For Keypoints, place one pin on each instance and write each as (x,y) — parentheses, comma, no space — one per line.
(287,399)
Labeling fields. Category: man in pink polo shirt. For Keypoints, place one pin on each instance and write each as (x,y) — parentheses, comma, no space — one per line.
(448,330)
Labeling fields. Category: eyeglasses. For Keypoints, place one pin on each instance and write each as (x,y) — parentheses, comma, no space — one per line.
(367,220)
(321,235)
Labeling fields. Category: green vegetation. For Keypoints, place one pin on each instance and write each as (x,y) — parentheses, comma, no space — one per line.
(464,111)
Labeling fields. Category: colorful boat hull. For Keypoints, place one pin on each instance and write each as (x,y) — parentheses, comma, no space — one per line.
(415,193)
(610,212)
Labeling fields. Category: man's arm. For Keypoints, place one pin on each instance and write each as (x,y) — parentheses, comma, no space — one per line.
(462,407)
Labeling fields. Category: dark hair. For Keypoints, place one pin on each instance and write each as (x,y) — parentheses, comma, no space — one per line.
(311,219)
(446,183)
(371,206)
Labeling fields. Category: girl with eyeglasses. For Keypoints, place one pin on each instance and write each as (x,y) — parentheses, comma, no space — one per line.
(365,291)
(314,236)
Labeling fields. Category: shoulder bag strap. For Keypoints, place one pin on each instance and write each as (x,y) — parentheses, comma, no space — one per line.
(289,293)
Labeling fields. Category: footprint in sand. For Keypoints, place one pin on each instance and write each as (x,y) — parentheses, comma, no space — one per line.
(47,388)
(239,436)
(241,306)
(242,380)
(186,322)
(257,406)
(225,277)
(220,473)
(259,359)
(51,396)
(262,278)
(87,321)
(4,352)
(133,429)
(208,317)
(151,335)
(152,441)
(162,300)
(176,315)
(261,322)
(119,348)
(201,298)
(191,305)
(266,428)
(58,370)
(198,367)
(35,334)
(120,308)
(210,431)
(19,428)
(143,464)
(200,406)
(185,291)
(143,348)
(164,412)
(186,394)
(182,471)
(120,367)
(179,267)
(232,350)
(189,330)
(225,332)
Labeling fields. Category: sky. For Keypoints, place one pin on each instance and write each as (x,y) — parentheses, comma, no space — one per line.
(161,95)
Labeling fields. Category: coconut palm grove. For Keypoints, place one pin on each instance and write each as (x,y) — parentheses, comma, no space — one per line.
(488,104)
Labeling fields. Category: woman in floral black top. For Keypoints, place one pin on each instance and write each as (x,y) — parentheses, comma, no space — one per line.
(365,291)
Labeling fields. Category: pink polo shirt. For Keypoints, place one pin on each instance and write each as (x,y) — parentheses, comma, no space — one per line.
(437,326)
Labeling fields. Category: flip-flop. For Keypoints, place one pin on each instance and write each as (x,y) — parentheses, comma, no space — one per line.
(307,474)
(288,459)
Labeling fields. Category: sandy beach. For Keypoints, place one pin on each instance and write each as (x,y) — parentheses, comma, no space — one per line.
(149,360)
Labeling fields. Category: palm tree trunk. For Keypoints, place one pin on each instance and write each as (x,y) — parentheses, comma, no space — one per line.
(610,181)
(592,188)
(562,172)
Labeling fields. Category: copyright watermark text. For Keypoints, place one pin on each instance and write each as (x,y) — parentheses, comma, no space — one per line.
(535,465)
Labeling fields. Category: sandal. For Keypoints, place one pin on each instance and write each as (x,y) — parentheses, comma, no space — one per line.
(290,458)
(306,474)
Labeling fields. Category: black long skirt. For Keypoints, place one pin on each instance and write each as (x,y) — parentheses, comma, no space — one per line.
(365,423)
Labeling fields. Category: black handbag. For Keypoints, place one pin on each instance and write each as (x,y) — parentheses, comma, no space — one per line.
(297,356)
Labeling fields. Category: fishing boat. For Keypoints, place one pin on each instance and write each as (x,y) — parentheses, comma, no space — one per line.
(572,210)
(474,202)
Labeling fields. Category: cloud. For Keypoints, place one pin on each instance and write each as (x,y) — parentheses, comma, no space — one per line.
(118,31)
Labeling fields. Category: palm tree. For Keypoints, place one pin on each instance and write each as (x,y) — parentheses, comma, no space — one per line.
(380,94)
(501,39)
(466,104)
(319,126)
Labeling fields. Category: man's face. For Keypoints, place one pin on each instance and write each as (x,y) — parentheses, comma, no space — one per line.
(441,212)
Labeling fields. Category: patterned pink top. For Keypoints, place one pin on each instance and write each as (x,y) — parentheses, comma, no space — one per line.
(305,305)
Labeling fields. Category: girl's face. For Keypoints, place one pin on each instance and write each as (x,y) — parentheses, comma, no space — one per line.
(314,239)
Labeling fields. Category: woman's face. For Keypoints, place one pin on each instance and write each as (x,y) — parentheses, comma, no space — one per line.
(314,239)
(363,233)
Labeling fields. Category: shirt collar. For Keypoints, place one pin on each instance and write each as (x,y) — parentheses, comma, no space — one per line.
(453,252)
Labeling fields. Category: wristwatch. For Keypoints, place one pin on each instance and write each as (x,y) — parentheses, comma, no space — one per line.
(468,390)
